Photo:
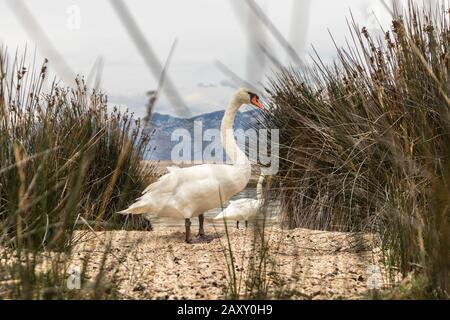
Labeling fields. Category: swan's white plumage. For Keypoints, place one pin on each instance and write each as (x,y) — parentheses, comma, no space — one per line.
(243,209)
(189,192)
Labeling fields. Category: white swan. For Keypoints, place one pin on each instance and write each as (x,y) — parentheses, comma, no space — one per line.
(189,192)
(243,209)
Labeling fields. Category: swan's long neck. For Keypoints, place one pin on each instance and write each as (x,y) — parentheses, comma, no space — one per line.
(259,187)
(227,135)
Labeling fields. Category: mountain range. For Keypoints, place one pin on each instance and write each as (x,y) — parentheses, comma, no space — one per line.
(163,126)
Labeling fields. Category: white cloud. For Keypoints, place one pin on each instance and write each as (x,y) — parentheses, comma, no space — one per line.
(207,31)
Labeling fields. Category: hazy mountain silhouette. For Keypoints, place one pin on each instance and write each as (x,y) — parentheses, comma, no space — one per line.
(163,126)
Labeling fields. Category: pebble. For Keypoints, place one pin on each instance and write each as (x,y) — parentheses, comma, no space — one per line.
(167,268)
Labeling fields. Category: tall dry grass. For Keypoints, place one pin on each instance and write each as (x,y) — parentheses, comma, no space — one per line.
(366,144)
(66,163)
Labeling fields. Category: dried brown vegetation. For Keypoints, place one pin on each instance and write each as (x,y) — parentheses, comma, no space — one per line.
(66,162)
(366,145)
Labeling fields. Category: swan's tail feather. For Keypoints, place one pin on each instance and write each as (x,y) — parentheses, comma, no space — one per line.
(132,211)
(136,208)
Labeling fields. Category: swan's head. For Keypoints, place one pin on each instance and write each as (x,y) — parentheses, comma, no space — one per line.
(247,96)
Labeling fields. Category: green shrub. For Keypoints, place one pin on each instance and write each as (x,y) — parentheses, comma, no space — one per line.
(366,145)
(65,159)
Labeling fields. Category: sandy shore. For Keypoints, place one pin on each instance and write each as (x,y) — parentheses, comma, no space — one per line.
(159,265)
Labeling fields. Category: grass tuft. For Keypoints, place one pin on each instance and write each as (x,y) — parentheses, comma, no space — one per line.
(366,145)
(66,163)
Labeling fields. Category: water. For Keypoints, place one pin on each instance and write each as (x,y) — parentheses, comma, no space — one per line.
(209,215)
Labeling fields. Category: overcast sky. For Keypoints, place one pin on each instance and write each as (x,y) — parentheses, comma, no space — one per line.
(206,30)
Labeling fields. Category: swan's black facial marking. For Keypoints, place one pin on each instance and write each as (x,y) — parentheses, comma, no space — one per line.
(253,95)
(254,100)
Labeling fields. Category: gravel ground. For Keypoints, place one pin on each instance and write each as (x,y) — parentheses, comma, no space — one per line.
(304,264)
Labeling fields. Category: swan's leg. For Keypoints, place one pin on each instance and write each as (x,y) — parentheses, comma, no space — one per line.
(187,224)
(201,230)
(237,224)
(246,224)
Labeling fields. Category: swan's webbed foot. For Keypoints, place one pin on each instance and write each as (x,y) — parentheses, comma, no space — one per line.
(201,236)
(237,224)
(246,224)
(202,239)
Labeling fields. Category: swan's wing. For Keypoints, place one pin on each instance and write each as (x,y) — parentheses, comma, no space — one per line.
(244,209)
(230,214)
(207,176)
(193,190)
(164,184)
(237,209)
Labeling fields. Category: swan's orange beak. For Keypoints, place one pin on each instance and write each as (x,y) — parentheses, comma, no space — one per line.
(256,103)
